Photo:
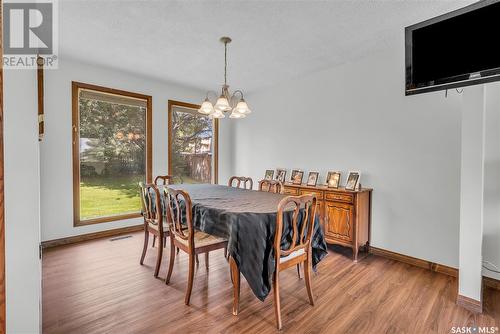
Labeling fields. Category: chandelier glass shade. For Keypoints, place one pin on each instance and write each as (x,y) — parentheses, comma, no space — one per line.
(225,102)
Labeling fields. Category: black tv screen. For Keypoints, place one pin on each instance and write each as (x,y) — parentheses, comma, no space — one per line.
(457,49)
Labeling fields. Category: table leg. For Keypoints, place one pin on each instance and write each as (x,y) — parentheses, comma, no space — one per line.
(235,275)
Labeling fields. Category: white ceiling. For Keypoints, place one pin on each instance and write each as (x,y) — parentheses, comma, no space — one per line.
(273,41)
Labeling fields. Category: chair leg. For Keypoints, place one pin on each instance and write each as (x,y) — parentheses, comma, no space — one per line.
(154,240)
(307,276)
(177,250)
(277,305)
(171,262)
(206,260)
(197,260)
(159,256)
(164,241)
(145,247)
(190,279)
(298,270)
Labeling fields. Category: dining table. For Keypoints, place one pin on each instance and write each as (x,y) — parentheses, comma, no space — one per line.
(247,219)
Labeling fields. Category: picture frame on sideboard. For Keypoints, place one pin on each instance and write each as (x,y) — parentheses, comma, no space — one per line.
(333,179)
(269,174)
(296,176)
(312,179)
(353,179)
(280,175)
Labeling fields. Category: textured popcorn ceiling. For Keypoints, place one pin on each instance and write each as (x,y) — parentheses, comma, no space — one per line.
(273,41)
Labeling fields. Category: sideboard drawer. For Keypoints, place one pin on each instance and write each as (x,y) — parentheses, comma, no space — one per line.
(319,194)
(347,198)
(291,191)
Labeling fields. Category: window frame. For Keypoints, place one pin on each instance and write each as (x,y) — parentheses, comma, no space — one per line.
(75,87)
(173,103)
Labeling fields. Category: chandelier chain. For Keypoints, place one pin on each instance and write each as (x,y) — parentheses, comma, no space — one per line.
(225,63)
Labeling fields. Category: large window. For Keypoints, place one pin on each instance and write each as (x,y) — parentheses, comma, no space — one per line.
(192,144)
(111,152)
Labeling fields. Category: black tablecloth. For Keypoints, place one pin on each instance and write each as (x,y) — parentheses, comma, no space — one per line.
(247,218)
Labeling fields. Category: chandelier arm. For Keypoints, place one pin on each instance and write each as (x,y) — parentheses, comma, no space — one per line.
(213,93)
(238,91)
(233,100)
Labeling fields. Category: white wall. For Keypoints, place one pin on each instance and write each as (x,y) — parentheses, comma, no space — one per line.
(491,213)
(22,202)
(56,163)
(356,116)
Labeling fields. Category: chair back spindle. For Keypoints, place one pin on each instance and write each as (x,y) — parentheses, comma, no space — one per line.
(143,198)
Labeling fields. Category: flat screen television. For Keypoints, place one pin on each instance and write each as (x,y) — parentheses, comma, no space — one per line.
(457,49)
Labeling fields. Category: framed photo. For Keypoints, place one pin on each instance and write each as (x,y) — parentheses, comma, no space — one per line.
(333,179)
(269,174)
(352,180)
(280,174)
(297,176)
(312,179)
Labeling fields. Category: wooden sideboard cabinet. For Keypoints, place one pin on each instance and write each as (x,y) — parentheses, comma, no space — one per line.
(345,215)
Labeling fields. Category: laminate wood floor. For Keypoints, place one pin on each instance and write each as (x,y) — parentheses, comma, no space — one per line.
(99,287)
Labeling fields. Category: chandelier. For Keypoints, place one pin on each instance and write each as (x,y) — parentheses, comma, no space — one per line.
(226,102)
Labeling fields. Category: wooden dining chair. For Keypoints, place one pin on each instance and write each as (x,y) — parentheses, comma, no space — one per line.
(191,241)
(299,251)
(153,222)
(164,179)
(272,186)
(241,182)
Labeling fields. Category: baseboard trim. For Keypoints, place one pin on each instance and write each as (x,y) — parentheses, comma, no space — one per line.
(470,304)
(439,268)
(91,236)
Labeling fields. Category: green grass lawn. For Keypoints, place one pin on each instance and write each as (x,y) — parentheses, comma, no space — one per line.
(108,196)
